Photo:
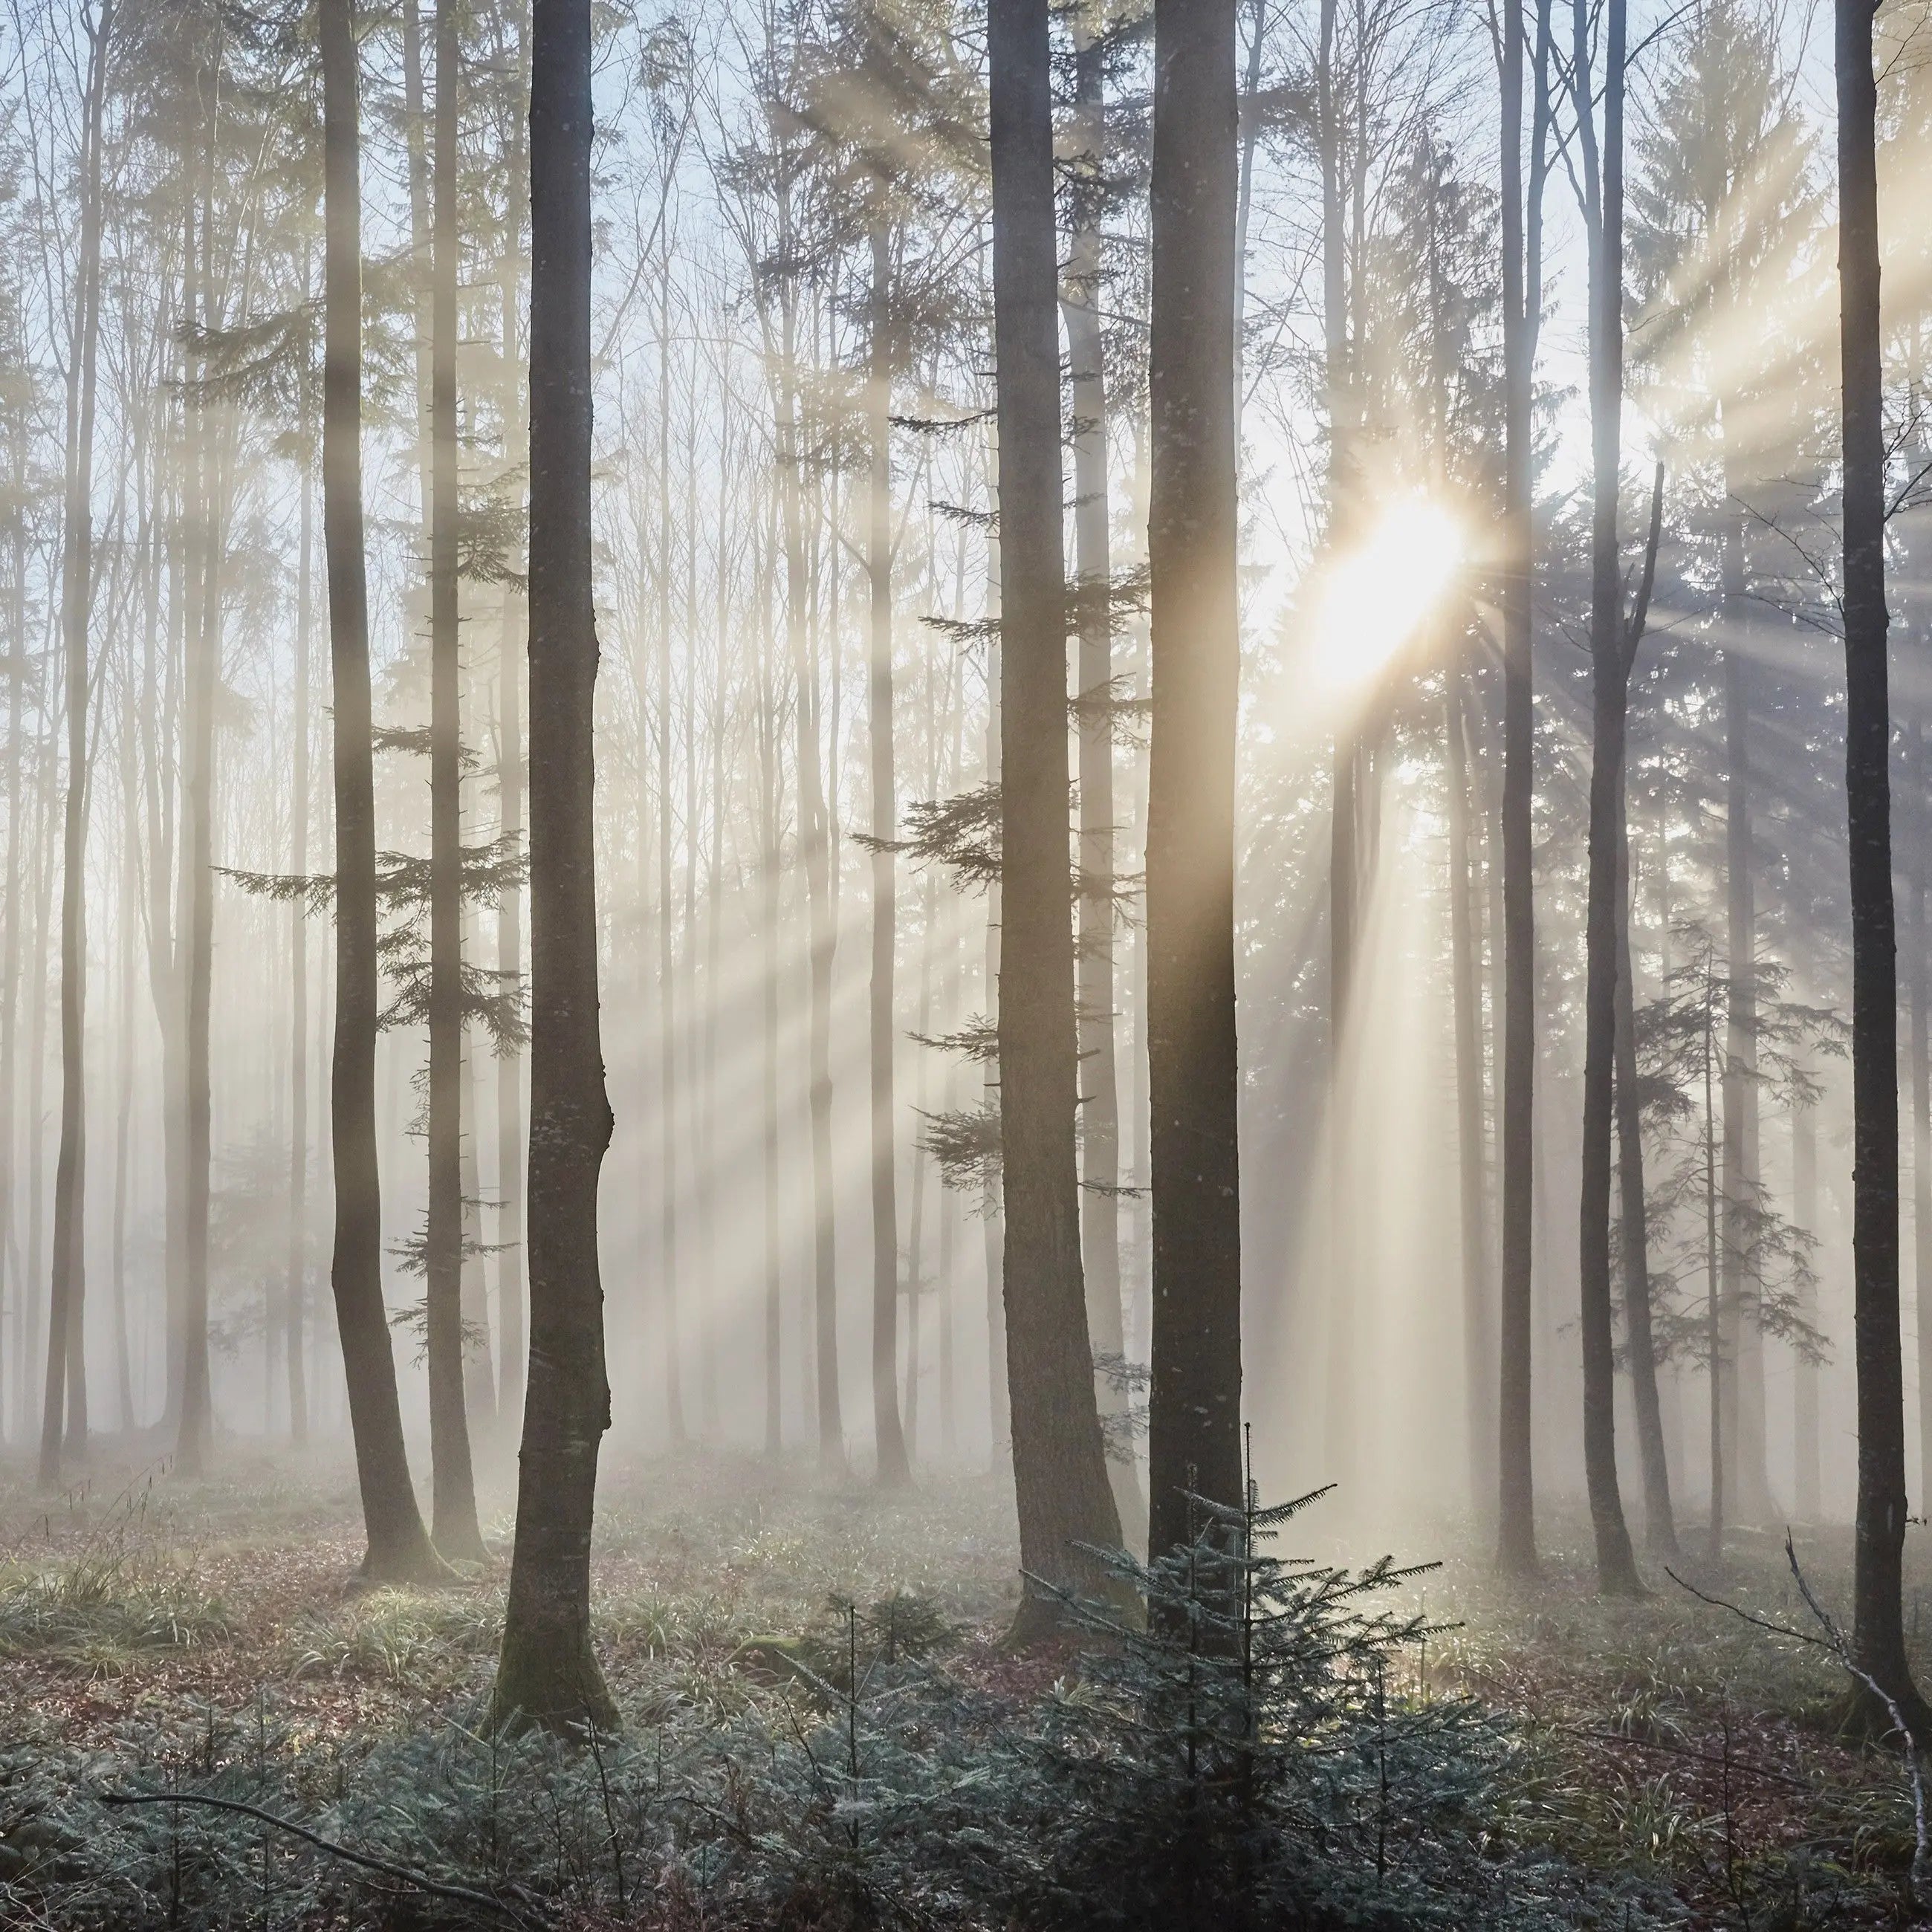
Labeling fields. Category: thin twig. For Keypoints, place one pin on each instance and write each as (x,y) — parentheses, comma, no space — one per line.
(421,1881)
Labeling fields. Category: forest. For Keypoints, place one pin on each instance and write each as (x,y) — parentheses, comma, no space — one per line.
(965,967)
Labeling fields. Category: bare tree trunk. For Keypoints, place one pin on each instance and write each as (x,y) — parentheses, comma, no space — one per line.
(1804,1371)
(1660,1522)
(453,1525)
(66,1304)
(1878,1625)
(294,1297)
(1916,822)
(894,1469)
(399,1546)
(1099,1103)
(1745,1419)
(549,1673)
(1522,306)
(1610,656)
(1478,1318)
(1060,1470)
(510,805)
(1195,1440)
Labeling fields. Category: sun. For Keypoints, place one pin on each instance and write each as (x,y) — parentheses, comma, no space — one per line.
(1373,598)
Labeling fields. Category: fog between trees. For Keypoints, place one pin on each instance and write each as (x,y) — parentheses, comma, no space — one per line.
(1188,712)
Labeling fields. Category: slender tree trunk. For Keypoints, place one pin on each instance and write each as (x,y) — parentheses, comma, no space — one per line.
(1523,299)
(510,800)
(1714,1320)
(1745,1419)
(668,1034)
(1659,1521)
(1099,1100)
(66,1305)
(770,872)
(1195,1441)
(1804,1370)
(1610,656)
(294,1297)
(548,1673)
(1917,821)
(1059,1471)
(1878,1614)
(453,1525)
(1478,1318)
(203,672)
(894,1469)
(822,933)
(399,1546)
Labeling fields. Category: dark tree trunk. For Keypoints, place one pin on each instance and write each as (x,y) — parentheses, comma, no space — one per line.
(1659,1521)
(1744,1416)
(1060,1470)
(1099,1103)
(1804,1371)
(895,1470)
(1916,820)
(1616,1567)
(65,1329)
(1195,1441)
(1523,299)
(399,1546)
(510,803)
(549,1673)
(1478,1318)
(294,1297)
(1878,1618)
(453,1525)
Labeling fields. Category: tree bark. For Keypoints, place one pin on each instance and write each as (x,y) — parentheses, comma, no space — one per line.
(1100,1104)
(894,1469)
(294,1297)
(1059,1471)
(1878,1531)
(1616,1566)
(398,1546)
(548,1673)
(1478,1318)
(1523,302)
(65,1326)
(1917,820)
(453,1524)
(1195,1438)
(1659,1520)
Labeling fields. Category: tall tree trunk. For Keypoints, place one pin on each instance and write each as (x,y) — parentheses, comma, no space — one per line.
(1345,806)
(399,1546)
(1714,1320)
(1616,1566)
(888,1432)
(65,1321)
(510,805)
(549,1672)
(668,1034)
(1100,1104)
(1194,1439)
(1916,820)
(197,933)
(822,936)
(453,1525)
(1060,1469)
(770,872)
(1478,1319)
(1804,1370)
(1522,306)
(1744,1419)
(294,1297)
(1878,1614)
(1659,1521)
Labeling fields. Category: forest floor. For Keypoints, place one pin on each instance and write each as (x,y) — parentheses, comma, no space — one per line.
(1669,1738)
